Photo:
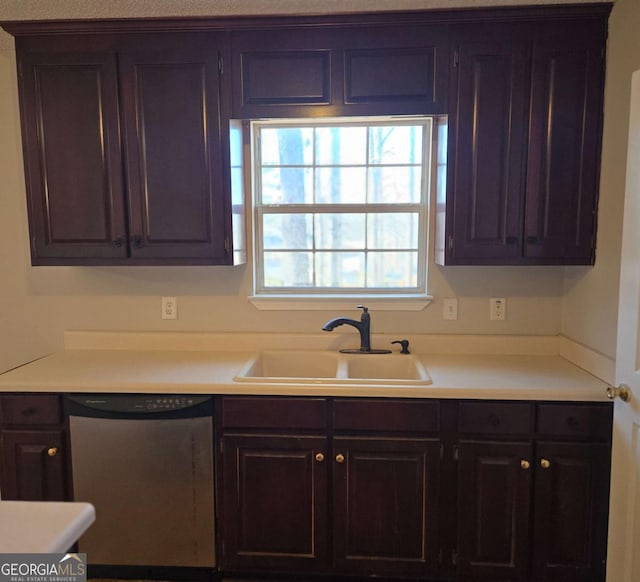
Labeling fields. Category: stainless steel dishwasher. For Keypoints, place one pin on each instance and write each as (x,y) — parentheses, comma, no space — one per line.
(146,464)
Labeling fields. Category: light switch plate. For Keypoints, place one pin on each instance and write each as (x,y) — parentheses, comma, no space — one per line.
(450,308)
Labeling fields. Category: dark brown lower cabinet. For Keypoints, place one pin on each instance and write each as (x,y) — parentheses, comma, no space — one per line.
(570,508)
(34,465)
(386,506)
(275,496)
(493,509)
(538,516)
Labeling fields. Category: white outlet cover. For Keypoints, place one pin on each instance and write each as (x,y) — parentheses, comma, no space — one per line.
(169,308)
(497,309)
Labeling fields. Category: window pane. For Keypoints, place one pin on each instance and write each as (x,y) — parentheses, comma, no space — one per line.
(287,231)
(340,231)
(282,269)
(394,185)
(389,269)
(395,145)
(392,231)
(287,186)
(286,146)
(341,185)
(341,146)
(339,269)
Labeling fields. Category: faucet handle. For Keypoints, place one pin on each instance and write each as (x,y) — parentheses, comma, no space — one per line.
(364,308)
(405,346)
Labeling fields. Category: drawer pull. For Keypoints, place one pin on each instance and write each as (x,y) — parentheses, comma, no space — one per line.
(319,457)
(493,419)
(29,411)
(572,423)
(525,464)
(339,458)
(545,463)
(53,451)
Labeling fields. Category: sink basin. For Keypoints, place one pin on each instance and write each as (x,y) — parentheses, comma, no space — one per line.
(291,366)
(322,367)
(386,368)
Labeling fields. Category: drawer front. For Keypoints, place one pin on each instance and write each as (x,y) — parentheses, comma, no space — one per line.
(494,417)
(277,413)
(31,409)
(386,415)
(574,420)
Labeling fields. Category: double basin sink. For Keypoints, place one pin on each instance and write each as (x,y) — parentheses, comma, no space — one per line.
(323,367)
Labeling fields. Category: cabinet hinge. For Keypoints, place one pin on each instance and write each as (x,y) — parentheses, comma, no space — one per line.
(441,451)
(33,243)
(220,64)
(456,58)
(456,453)
(227,245)
(221,446)
(454,557)
(450,242)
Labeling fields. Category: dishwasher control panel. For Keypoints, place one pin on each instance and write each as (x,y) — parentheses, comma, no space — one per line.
(137,403)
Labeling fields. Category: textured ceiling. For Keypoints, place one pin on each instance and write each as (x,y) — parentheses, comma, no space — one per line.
(78,9)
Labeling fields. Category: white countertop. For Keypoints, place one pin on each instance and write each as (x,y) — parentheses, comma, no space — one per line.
(497,376)
(42,526)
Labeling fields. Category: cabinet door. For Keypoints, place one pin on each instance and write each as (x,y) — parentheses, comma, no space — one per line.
(386,495)
(494,484)
(570,511)
(564,142)
(487,146)
(170,96)
(72,156)
(274,503)
(34,465)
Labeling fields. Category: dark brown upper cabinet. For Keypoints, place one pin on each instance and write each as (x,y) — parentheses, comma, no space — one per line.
(565,125)
(525,121)
(125,150)
(340,72)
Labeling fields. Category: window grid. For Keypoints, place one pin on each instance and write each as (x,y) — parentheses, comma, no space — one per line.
(366,208)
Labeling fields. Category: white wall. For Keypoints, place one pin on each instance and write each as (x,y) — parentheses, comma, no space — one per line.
(38,304)
(590,310)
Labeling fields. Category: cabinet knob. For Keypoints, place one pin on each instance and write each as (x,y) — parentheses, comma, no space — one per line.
(525,464)
(119,242)
(545,463)
(319,457)
(339,458)
(53,451)
(623,392)
(136,241)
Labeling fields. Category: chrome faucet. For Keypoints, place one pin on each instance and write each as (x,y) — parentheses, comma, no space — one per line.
(363,326)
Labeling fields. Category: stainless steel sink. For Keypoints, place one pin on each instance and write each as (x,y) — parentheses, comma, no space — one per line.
(322,367)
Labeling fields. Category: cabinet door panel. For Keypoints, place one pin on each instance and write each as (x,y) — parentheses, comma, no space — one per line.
(386,506)
(30,472)
(275,503)
(171,105)
(570,511)
(72,156)
(493,513)
(564,142)
(487,147)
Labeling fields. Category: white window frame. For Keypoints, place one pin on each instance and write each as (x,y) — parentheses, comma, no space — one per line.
(312,298)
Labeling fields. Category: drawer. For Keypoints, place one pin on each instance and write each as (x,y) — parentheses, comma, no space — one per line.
(359,414)
(494,417)
(31,409)
(592,421)
(276,413)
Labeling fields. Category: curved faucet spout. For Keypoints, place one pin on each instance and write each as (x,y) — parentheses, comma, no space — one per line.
(363,326)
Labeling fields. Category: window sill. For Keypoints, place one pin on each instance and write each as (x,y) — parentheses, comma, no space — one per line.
(328,303)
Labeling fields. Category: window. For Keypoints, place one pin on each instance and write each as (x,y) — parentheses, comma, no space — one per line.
(341,206)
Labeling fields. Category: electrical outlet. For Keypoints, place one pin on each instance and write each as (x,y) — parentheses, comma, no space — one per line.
(450,308)
(169,308)
(497,309)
